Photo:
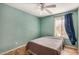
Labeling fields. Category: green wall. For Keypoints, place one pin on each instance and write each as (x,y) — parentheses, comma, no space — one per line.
(16,27)
(47,26)
(75,22)
(78,30)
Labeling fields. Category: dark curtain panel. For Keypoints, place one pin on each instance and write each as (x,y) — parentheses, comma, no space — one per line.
(70,28)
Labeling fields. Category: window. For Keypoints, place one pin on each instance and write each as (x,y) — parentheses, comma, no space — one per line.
(59,27)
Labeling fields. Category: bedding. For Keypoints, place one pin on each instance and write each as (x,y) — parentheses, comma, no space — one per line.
(45,46)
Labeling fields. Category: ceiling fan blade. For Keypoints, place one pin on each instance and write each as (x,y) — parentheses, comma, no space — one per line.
(50,6)
(48,11)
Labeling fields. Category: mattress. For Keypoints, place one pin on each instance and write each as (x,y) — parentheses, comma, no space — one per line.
(45,46)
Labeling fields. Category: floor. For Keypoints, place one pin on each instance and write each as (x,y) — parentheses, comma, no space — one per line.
(69,51)
(22,51)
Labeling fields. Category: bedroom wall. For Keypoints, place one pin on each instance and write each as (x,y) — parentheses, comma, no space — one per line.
(16,27)
(78,30)
(47,26)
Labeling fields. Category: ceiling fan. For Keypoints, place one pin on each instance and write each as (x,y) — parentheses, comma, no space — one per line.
(45,7)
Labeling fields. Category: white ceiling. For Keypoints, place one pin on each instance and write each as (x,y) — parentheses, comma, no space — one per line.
(34,9)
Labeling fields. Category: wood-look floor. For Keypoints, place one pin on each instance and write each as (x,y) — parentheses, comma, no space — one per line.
(69,51)
(22,51)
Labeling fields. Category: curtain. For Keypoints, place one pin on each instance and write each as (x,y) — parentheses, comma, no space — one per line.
(70,28)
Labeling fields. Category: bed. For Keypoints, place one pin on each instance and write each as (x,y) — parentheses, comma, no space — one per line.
(45,46)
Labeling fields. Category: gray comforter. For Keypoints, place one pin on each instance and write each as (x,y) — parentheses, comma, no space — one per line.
(45,46)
